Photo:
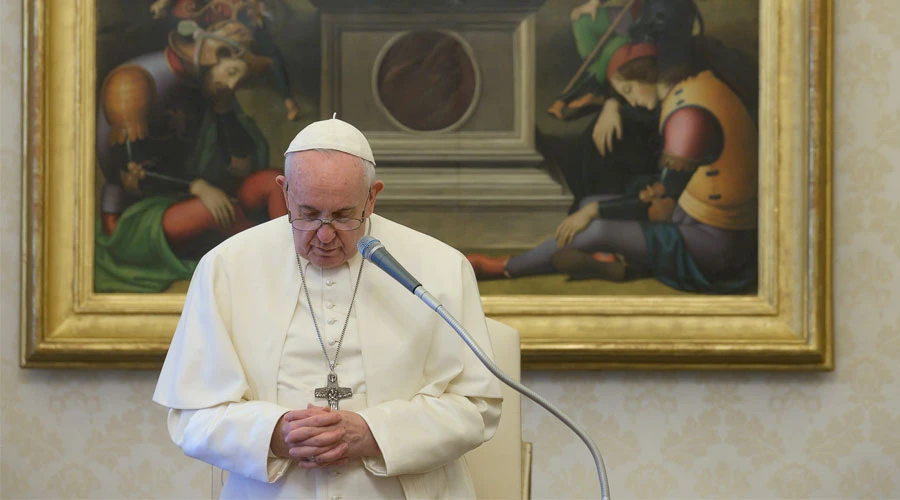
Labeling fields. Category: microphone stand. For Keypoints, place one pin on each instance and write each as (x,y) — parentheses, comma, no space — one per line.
(372,249)
(433,303)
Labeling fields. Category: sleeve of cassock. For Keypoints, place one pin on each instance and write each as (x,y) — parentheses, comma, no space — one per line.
(456,411)
(213,415)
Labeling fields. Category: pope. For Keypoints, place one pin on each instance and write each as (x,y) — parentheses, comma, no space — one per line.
(307,373)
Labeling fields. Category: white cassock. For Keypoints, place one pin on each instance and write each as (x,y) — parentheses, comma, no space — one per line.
(245,352)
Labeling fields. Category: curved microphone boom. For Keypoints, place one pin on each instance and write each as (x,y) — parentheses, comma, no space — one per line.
(372,250)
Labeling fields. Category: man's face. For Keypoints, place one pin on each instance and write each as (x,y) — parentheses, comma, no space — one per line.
(327,186)
(222,79)
(637,93)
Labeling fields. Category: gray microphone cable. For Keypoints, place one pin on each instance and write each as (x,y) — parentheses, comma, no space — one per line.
(372,250)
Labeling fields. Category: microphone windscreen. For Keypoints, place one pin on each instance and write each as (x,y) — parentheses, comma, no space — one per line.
(366,245)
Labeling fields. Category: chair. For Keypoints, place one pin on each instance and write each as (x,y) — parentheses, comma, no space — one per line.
(501,468)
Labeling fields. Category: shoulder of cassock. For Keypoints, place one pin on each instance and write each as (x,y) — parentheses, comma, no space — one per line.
(255,273)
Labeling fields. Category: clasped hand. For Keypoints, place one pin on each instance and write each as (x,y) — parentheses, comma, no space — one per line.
(321,437)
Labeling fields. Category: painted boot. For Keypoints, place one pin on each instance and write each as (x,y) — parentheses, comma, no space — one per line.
(488,268)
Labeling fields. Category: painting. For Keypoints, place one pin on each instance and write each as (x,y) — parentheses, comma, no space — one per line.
(636,183)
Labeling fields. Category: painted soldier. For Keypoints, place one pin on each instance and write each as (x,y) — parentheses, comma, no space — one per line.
(184,166)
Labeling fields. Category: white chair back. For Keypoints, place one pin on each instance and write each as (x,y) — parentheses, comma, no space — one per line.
(497,467)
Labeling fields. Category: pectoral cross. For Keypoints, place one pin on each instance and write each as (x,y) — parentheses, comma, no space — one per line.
(333,392)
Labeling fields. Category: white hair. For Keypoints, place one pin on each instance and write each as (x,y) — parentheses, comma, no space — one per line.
(367,166)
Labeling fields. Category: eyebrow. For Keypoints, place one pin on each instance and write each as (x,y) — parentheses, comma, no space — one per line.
(316,210)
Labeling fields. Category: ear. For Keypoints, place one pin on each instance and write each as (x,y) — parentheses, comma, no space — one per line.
(282,183)
(377,186)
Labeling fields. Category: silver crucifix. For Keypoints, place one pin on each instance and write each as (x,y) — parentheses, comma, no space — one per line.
(332,392)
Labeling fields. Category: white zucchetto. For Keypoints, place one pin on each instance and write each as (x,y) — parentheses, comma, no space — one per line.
(332,134)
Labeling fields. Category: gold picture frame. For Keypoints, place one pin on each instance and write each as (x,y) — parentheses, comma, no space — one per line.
(786,325)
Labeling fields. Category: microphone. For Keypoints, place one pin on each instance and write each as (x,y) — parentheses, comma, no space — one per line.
(372,250)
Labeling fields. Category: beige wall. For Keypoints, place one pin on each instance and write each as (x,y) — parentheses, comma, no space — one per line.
(672,435)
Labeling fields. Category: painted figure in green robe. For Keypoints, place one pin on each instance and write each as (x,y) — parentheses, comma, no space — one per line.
(183,166)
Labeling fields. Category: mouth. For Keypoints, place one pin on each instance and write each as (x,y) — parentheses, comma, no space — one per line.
(327,251)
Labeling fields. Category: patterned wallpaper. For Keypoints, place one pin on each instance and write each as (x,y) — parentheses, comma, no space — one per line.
(664,435)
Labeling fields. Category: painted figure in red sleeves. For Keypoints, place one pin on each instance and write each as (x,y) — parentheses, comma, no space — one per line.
(183,166)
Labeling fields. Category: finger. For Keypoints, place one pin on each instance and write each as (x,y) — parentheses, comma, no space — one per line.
(227,210)
(313,462)
(315,423)
(333,455)
(570,234)
(223,210)
(232,211)
(618,129)
(561,237)
(223,217)
(300,435)
(329,437)
(559,230)
(597,136)
(300,452)
(302,414)
(217,216)
(295,415)
(558,238)
(318,420)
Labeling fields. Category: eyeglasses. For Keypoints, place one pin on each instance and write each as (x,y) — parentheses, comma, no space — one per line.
(339,224)
(342,224)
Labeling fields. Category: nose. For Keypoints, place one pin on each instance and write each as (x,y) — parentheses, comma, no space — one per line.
(325,233)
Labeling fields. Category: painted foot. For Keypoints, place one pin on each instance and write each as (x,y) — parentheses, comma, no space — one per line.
(488,267)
